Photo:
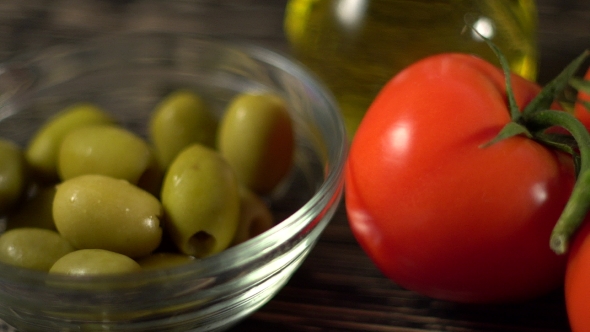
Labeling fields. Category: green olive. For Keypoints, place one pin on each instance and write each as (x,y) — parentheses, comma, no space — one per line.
(35,212)
(33,248)
(42,151)
(179,120)
(256,137)
(99,212)
(255,217)
(13,174)
(106,150)
(162,260)
(201,201)
(89,262)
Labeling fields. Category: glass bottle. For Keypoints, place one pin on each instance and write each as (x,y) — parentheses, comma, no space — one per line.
(356,46)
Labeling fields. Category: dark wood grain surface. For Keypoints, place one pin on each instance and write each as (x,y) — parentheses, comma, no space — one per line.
(337,288)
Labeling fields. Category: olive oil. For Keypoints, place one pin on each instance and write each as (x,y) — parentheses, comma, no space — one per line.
(356,46)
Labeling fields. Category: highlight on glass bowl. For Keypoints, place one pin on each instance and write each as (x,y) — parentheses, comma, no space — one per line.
(159,182)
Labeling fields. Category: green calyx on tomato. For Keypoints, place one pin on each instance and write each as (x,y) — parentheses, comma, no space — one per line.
(534,121)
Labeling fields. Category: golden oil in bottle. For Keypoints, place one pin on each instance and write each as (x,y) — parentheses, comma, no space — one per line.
(356,46)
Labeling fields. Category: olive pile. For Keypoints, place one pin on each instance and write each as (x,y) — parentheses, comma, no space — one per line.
(106,201)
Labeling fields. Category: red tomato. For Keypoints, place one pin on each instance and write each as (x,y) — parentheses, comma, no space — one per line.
(577,285)
(577,278)
(438,213)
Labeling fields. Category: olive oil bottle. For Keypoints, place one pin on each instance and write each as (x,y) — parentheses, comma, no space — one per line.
(356,46)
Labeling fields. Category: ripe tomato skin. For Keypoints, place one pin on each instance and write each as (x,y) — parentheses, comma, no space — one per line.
(437,213)
(577,277)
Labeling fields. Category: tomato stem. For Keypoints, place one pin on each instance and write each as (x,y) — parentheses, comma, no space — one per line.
(580,84)
(534,120)
(572,216)
(551,91)
(578,205)
(512,106)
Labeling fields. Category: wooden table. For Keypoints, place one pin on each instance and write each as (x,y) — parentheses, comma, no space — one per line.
(337,288)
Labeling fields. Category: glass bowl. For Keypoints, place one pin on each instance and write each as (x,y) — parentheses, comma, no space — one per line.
(127,75)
